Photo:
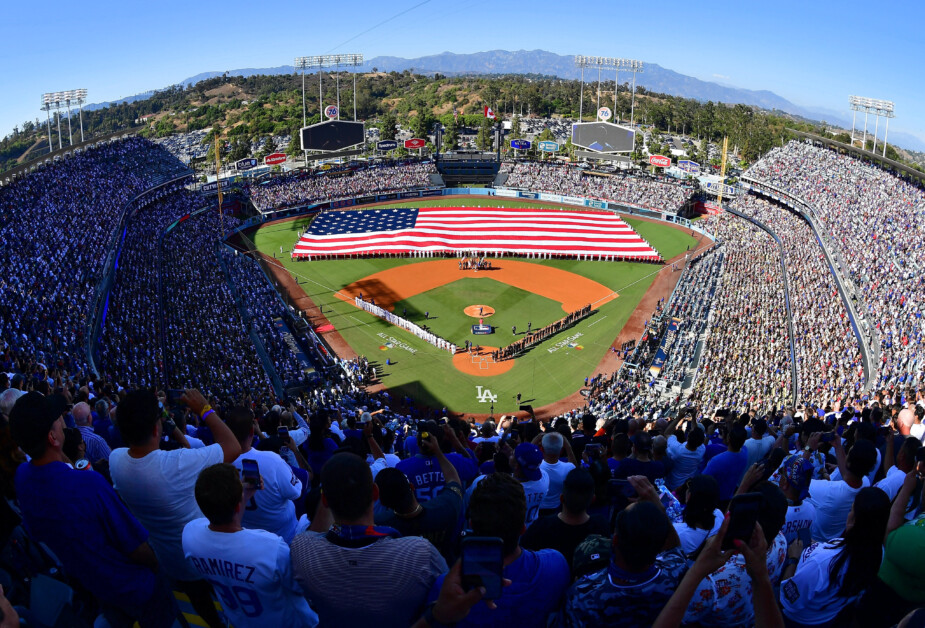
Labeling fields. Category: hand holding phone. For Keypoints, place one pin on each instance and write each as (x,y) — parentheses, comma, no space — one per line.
(743,514)
(250,473)
(483,565)
(283,432)
(618,488)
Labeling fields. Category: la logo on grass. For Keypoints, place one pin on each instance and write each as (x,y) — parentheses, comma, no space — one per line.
(484,395)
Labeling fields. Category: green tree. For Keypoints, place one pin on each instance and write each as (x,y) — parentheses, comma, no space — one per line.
(483,137)
(295,143)
(451,136)
(387,126)
(516,131)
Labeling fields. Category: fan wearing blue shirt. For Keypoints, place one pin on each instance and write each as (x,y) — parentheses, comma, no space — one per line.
(538,579)
(80,517)
(729,466)
(424,471)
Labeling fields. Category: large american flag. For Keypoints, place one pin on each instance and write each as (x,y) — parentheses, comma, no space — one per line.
(473,229)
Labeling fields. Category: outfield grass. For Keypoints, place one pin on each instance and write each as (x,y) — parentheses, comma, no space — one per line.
(542,376)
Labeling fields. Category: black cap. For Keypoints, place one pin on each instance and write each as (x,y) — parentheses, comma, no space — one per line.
(31,418)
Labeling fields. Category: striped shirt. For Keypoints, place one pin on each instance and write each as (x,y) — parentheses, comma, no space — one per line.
(97,447)
(382,582)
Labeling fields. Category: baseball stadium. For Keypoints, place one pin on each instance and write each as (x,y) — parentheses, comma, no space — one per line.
(507,338)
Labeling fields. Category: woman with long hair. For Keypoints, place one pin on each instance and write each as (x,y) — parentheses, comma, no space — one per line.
(701,518)
(832,575)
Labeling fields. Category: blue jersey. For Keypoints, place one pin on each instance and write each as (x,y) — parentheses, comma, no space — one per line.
(425,474)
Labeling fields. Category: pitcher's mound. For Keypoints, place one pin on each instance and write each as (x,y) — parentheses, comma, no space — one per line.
(479,311)
(479,363)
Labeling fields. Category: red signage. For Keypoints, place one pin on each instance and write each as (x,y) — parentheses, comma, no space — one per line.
(275,158)
(660,160)
(415,143)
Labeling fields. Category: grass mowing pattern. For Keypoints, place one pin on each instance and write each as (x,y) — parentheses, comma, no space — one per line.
(541,376)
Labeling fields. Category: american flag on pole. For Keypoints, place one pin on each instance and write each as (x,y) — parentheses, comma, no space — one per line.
(481,229)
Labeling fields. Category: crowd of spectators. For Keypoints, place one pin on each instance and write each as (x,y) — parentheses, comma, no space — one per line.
(301,189)
(261,307)
(690,303)
(657,194)
(601,521)
(130,346)
(56,227)
(207,339)
(748,322)
(341,506)
(829,364)
(876,220)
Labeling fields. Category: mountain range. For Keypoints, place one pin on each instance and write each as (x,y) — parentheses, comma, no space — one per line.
(541,62)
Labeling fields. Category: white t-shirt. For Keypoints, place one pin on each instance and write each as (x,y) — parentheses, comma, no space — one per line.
(758,449)
(798,518)
(556,472)
(159,490)
(691,538)
(271,508)
(684,462)
(918,430)
(810,597)
(535,491)
(832,500)
(892,482)
(251,573)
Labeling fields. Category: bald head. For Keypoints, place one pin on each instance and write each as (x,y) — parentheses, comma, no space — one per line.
(906,419)
(81,414)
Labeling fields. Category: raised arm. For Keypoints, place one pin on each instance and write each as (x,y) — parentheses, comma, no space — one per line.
(223,436)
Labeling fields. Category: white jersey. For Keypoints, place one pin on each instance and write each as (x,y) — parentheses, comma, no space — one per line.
(535,492)
(251,573)
(798,518)
(271,508)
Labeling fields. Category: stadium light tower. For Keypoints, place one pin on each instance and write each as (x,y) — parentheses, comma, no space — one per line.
(879,108)
(611,63)
(80,96)
(46,107)
(329,61)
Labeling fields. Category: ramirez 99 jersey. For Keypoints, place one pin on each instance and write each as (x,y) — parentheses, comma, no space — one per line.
(251,574)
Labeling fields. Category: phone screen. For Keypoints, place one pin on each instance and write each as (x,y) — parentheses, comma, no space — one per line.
(743,514)
(250,471)
(594,450)
(806,536)
(482,565)
(827,437)
(283,432)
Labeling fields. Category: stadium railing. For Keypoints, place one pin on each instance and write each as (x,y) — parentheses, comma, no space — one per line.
(866,333)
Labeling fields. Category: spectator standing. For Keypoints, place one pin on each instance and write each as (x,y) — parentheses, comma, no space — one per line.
(538,578)
(158,485)
(271,508)
(701,518)
(832,499)
(97,447)
(828,577)
(435,519)
(393,575)
(759,445)
(250,570)
(565,530)
(645,568)
(527,470)
(81,519)
(555,469)
(729,466)
(685,457)
(796,473)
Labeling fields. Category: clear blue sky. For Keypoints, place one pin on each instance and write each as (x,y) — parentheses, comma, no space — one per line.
(812,53)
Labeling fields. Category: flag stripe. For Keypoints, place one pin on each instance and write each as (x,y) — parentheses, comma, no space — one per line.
(472,229)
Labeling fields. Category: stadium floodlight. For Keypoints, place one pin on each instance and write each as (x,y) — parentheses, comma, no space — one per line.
(55,99)
(610,63)
(880,108)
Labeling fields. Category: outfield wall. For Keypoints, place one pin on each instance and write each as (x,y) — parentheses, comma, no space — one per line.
(590,203)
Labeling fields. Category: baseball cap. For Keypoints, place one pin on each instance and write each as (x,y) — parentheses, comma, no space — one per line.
(529,457)
(31,418)
(591,555)
(798,471)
